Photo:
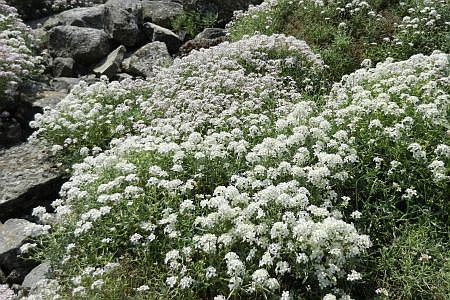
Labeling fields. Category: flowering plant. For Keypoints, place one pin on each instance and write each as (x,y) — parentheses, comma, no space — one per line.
(189,91)
(16,50)
(345,32)
(216,188)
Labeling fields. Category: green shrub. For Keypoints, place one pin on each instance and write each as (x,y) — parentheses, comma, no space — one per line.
(193,22)
(261,192)
(346,32)
(415,265)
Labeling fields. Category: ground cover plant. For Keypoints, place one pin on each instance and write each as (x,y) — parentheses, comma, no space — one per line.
(345,32)
(17,60)
(256,200)
(90,117)
(243,172)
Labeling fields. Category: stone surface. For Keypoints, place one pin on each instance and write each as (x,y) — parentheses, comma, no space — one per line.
(161,34)
(27,179)
(64,84)
(122,76)
(85,45)
(111,64)
(13,233)
(141,62)
(63,67)
(200,43)
(37,274)
(11,131)
(211,33)
(161,13)
(92,17)
(122,19)
(48,99)
(2,276)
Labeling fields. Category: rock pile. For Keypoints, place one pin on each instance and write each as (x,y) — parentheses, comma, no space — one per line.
(98,39)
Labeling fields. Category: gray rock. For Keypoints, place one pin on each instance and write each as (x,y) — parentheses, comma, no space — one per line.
(161,34)
(211,33)
(48,99)
(122,19)
(37,274)
(111,64)
(2,277)
(64,84)
(63,67)
(200,43)
(92,17)
(161,13)
(27,180)
(141,62)
(11,131)
(122,76)
(13,234)
(85,45)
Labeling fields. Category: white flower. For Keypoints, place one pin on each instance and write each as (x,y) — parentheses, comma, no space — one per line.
(210,272)
(356,214)
(80,290)
(135,238)
(26,247)
(186,282)
(353,276)
(171,281)
(97,284)
(260,276)
(409,193)
(143,288)
(382,291)
(285,296)
(329,297)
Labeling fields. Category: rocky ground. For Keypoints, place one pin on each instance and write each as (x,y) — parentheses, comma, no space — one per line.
(118,39)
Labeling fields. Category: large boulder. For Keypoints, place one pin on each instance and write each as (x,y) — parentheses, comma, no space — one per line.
(13,234)
(111,64)
(27,179)
(141,62)
(63,67)
(122,19)
(85,45)
(36,275)
(160,34)
(92,17)
(161,13)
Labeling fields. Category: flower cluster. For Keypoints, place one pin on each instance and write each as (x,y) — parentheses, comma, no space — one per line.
(59,5)
(16,56)
(6,293)
(197,91)
(221,178)
(345,32)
